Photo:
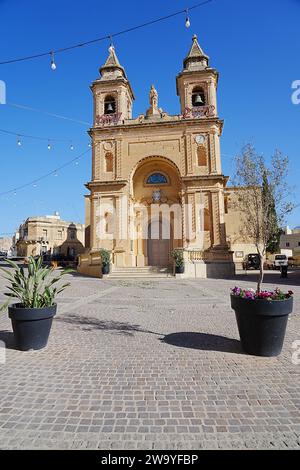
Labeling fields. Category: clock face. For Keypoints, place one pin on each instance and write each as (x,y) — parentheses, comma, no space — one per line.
(200,139)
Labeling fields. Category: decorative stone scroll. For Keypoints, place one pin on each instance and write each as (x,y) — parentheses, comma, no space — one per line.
(105,119)
(199,111)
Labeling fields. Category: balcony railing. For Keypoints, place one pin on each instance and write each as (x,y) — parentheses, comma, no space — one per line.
(199,112)
(107,119)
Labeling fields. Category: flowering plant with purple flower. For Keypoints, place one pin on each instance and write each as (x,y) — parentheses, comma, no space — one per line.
(251,294)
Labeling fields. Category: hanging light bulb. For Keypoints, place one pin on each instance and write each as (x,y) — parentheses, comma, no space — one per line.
(187,20)
(76,163)
(53,64)
(15,192)
(49,145)
(90,144)
(55,173)
(71,147)
(19,143)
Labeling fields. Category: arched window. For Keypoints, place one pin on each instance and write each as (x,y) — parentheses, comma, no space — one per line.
(201,155)
(109,105)
(157,178)
(206,220)
(109,162)
(198,97)
(226,199)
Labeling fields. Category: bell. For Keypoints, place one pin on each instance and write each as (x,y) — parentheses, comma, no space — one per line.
(198,100)
(110,109)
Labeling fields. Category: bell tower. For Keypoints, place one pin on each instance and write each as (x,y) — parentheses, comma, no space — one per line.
(197,83)
(113,95)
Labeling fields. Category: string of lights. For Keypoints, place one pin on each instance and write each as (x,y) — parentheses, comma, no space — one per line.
(49,140)
(33,183)
(109,37)
(36,110)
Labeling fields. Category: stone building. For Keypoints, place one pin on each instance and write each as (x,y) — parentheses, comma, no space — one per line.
(290,242)
(50,235)
(239,241)
(157,181)
(6,244)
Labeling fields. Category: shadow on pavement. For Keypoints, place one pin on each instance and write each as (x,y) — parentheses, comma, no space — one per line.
(204,342)
(8,338)
(92,323)
(274,277)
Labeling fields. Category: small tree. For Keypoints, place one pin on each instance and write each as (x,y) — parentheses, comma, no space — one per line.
(263,198)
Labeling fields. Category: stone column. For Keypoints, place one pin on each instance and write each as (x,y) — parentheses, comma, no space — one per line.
(183,218)
(189,154)
(95,210)
(118,150)
(216,218)
(212,92)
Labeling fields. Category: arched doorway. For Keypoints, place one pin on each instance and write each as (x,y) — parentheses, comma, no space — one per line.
(158,244)
(155,200)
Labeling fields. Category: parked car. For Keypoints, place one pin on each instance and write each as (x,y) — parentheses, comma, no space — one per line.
(277,260)
(251,261)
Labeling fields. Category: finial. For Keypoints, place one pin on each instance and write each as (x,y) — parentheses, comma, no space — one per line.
(195,37)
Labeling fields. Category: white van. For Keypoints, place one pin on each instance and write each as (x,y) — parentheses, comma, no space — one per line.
(277,260)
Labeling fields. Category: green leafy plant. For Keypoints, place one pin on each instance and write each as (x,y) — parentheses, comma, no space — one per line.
(34,289)
(105,256)
(177,255)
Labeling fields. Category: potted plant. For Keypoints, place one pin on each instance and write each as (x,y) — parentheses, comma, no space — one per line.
(35,291)
(261,198)
(105,257)
(177,255)
(261,318)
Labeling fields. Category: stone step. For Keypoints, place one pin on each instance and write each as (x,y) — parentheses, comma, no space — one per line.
(140,272)
(139,276)
(143,269)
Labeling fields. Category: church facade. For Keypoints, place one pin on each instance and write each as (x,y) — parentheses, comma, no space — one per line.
(157,182)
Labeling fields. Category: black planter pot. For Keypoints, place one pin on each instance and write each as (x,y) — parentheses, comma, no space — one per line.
(262,324)
(179,269)
(31,326)
(105,268)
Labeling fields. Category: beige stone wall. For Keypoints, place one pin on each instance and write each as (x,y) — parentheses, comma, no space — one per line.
(238,241)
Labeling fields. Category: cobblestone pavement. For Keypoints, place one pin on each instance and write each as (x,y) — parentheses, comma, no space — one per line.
(150,364)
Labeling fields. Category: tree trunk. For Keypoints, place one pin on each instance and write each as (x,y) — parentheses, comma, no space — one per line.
(261,273)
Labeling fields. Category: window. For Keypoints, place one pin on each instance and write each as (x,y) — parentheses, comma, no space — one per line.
(298,243)
(239,254)
(109,160)
(109,105)
(59,234)
(287,244)
(45,233)
(226,207)
(201,155)
(157,178)
(198,97)
(72,233)
(206,220)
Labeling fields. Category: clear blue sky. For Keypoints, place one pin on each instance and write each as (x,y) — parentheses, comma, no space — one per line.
(254,45)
